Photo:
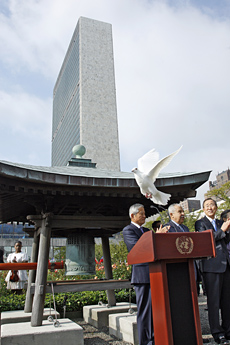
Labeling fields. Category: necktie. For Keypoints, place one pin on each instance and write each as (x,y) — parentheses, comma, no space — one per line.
(214,224)
(141,229)
(181,228)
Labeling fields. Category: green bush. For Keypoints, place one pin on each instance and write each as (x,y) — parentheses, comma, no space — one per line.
(76,301)
(9,300)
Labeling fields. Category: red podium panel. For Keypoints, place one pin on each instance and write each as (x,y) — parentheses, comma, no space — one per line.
(170,256)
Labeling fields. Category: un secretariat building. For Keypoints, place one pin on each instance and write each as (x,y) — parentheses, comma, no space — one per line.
(84,98)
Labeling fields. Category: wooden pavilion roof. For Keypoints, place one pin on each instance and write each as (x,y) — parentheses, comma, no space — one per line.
(82,193)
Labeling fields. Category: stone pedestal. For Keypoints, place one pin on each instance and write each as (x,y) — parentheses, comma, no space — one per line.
(124,326)
(98,316)
(16,316)
(24,334)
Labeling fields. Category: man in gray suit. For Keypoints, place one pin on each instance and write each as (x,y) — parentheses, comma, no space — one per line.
(216,273)
(140,275)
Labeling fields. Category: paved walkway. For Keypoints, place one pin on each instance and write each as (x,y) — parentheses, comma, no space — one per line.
(207,337)
(94,336)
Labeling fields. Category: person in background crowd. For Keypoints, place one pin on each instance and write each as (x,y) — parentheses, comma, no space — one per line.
(216,273)
(16,279)
(225,215)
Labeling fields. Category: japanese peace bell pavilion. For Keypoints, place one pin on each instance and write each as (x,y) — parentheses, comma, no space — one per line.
(76,198)
(78,202)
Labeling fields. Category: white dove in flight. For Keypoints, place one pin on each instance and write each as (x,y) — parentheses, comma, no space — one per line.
(146,173)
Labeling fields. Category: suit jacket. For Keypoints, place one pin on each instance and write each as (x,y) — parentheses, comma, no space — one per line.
(219,263)
(140,272)
(175,228)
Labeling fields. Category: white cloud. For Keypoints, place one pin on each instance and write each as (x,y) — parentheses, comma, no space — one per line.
(25,124)
(176,88)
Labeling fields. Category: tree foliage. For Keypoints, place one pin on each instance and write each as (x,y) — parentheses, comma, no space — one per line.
(118,252)
(222,194)
(189,221)
(60,253)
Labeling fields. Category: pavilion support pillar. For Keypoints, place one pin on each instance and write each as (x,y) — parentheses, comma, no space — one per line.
(32,274)
(42,268)
(108,269)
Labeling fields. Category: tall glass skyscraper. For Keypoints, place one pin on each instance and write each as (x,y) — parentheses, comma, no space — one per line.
(84,98)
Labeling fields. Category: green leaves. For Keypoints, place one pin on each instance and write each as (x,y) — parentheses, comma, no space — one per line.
(9,300)
(221,193)
(76,301)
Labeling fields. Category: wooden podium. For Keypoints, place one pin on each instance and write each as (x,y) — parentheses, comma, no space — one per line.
(170,256)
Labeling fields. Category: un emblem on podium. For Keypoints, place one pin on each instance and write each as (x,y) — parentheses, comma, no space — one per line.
(184,245)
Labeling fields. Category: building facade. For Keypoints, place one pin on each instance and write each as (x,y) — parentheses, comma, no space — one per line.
(221,179)
(12,232)
(189,205)
(84,98)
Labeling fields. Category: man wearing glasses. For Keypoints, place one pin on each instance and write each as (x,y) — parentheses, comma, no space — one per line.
(216,273)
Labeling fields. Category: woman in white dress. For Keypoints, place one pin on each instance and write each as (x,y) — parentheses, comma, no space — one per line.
(16,279)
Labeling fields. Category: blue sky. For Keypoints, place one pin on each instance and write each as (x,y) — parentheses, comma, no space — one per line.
(172,77)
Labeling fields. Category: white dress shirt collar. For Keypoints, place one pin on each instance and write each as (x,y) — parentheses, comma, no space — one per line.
(137,225)
(210,219)
(175,223)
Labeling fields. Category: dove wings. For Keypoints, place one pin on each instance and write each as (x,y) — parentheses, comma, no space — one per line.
(148,169)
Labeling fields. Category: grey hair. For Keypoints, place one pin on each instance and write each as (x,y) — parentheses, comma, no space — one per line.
(171,208)
(134,209)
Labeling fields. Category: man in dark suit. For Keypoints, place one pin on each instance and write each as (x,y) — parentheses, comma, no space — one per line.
(176,221)
(140,275)
(176,214)
(225,215)
(216,273)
